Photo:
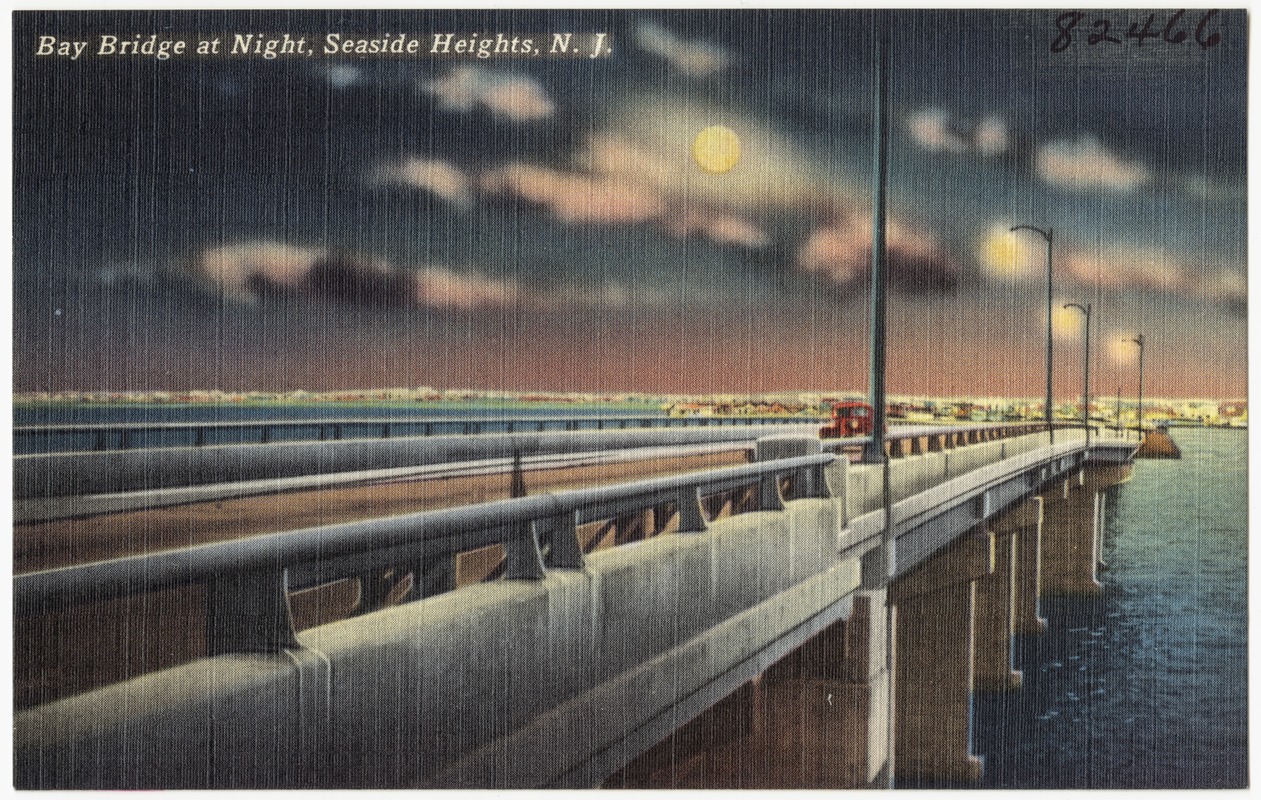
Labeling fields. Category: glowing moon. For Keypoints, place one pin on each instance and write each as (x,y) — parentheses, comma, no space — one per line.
(716,149)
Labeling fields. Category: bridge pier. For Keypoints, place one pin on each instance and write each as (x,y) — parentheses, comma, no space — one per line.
(936,625)
(817,718)
(1007,599)
(1071,535)
(1024,520)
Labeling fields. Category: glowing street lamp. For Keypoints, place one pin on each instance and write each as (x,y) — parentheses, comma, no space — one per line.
(1045,234)
(1085,410)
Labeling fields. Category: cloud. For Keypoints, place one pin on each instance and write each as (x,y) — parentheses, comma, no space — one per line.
(438,287)
(248,270)
(935,131)
(343,76)
(239,269)
(931,130)
(439,177)
(695,59)
(1154,270)
(1086,164)
(575,198)
(841,252)
(584,198)
(990,137)
(718,227)
(468,88)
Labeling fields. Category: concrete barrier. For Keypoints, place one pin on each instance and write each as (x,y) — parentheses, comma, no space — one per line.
(448,676)
(77,474)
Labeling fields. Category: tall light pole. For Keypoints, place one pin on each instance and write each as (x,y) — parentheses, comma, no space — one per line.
(1140,341)
(1085,410)
(1047,408)
(873,453)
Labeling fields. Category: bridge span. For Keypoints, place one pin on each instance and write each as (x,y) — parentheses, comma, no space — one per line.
(764,624)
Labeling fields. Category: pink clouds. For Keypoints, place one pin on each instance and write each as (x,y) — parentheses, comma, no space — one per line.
(438,287)
(935,131)
(1086,164)
(578,198)
(439,177)
(718,227)
(1080,164)
(574,197)
(516,97)
(841,252)
(237,268)
(250,269)
(1152,269)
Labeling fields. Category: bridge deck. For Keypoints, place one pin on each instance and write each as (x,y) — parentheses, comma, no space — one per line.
(59,543)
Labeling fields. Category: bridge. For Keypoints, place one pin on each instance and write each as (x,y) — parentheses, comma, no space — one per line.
(766,623)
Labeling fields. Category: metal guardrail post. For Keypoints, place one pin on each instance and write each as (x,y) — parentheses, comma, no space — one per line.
(561,535)
(691,520)
(248,612)
(435,576)
(769,498)
(523,557)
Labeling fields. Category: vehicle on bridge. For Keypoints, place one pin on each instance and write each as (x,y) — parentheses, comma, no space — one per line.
(850,418)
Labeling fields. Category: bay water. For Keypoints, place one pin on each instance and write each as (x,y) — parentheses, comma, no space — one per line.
(1146,684)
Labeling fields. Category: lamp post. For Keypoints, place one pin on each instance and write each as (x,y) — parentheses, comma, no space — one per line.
(1085,410)
(1045,234)
(873,452)
(1140,341)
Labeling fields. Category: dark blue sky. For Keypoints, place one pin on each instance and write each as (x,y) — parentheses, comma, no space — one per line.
(236,222)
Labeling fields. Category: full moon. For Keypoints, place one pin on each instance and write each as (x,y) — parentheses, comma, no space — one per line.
(716,149)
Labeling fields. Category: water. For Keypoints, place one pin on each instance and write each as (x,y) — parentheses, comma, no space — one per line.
(1144,686)
(82,414)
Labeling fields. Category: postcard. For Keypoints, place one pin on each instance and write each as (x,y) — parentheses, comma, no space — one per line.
(580,398)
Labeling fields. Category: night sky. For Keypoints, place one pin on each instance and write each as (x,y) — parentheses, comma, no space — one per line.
(529,222)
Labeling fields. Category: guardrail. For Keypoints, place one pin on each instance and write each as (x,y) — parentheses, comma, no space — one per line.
(28,439)
(80,474)
(247,579)
(909,440)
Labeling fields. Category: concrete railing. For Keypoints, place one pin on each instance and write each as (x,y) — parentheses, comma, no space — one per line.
(248,578)
(58,475)
(30,439)
(80,474)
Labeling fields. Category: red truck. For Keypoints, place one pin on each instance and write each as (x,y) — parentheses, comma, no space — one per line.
(848,419)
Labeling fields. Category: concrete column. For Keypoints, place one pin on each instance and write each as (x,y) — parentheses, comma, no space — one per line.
(817,718)
(995,623)
(1070,530)
(1025,520)
(825,707)
(936,613)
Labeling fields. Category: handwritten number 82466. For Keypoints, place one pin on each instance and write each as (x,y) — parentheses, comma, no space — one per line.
(1103,31)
